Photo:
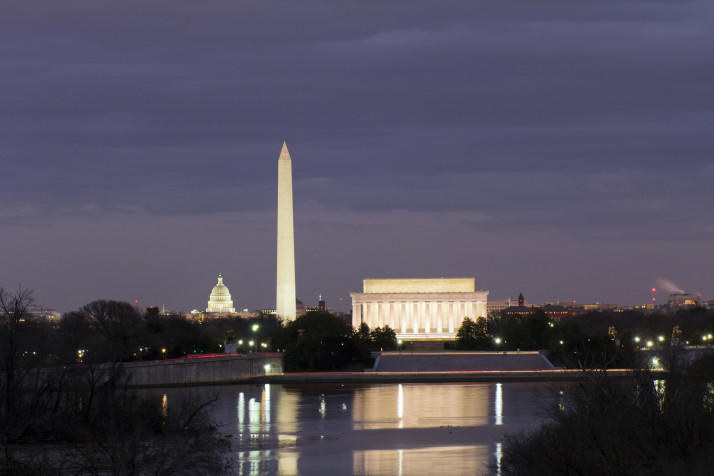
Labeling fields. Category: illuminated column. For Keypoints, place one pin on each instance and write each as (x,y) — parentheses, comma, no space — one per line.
(439,316)
(285,295)
(356,314)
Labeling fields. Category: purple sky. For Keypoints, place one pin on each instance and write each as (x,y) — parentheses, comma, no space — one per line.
(563,150)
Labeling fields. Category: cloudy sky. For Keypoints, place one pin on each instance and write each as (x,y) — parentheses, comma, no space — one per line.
(560,149)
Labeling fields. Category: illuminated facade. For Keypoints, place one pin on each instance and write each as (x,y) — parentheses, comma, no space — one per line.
(418,308)
(220,299)
(285,293)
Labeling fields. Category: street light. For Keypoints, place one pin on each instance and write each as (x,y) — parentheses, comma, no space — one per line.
(255,330)
(498,340)
(163,352)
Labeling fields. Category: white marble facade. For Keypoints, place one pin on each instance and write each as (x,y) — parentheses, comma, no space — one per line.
(285,293)
(418,308)
(220,299)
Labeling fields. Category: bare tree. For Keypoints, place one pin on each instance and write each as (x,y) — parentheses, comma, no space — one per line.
(117,322)
(14,314)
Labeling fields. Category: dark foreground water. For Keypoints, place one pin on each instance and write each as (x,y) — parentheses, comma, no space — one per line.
(384,429)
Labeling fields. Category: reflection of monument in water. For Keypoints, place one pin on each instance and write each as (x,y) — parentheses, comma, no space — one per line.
(405,429)
(416,405)
(419,406)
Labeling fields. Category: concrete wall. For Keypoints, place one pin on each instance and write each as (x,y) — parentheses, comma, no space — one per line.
(461,361)
(203,370)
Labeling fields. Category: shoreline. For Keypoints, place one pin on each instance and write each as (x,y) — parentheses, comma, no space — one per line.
(370,377)
(446,376)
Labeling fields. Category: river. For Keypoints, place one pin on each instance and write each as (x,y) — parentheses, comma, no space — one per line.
(380,429)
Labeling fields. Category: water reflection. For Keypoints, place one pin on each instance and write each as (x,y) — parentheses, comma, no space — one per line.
(400,405)
(369,429)
(499,456)
(428,460)
(420,406)
(660,389)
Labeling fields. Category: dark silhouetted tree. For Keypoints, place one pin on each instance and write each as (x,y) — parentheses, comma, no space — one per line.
(473,335)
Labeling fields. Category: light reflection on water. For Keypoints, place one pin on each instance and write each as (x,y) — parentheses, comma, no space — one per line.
(369,429)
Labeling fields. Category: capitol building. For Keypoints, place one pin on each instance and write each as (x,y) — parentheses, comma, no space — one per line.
(220,300)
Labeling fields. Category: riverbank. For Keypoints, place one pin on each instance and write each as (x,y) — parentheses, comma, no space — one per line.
(425,377)
(423,367)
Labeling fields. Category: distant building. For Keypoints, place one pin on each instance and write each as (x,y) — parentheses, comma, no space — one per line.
(498,305)
(516,311)
(418,308)
(553,311)
(683,300)
(598,307)
(48,314)
(557,313)
(220,299)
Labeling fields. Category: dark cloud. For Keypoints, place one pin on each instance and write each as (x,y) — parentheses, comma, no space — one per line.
(586,123)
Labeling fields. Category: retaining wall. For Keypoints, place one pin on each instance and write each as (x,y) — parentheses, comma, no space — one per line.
(203,370)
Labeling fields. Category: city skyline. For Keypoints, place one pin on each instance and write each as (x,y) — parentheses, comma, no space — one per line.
(563,151)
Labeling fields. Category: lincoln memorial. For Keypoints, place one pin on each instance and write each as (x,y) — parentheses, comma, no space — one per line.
(418,308)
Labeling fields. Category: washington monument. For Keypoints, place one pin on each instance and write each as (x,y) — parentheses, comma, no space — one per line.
(285,301)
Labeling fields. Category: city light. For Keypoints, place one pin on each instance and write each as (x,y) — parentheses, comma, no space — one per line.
(650,343)
(661,338)
(498,340)
(637,339)
(255,329)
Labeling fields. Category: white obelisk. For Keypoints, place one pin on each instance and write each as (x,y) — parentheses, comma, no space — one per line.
(285,301)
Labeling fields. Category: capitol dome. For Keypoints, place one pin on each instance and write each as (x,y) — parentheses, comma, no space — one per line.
(220,299)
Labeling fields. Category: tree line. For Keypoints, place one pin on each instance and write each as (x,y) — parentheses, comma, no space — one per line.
(62,413)
(589,339)
(647,424)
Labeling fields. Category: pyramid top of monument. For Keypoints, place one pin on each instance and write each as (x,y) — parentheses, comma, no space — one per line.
(284,154)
